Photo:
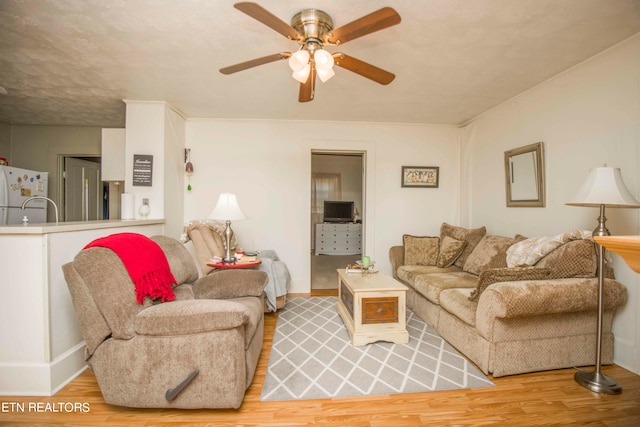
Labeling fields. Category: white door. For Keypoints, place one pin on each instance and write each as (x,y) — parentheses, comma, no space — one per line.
(82,190)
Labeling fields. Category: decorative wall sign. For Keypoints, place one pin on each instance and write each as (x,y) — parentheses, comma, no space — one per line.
(142,170)
(420,176)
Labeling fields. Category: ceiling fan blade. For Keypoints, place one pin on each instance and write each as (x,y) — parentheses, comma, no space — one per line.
(369,71)
(376,21)
(254,63)
(259,13)
(308,89)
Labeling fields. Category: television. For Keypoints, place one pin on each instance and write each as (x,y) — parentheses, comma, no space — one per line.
(338,211)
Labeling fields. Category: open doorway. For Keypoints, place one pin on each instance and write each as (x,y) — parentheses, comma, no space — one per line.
(337,237)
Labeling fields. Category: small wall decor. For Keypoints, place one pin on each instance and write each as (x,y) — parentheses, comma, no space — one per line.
(420,176)
(142,170)
(188,169)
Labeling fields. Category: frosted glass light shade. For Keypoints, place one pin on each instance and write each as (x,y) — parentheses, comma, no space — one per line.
(303,75)
(604,186)
(299,60)
(323,59)
(325,75)
(227,208)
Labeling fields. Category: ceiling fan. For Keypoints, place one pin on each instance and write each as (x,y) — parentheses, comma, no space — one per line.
(313,29)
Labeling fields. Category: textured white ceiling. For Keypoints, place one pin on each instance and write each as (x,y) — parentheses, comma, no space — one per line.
(72,62)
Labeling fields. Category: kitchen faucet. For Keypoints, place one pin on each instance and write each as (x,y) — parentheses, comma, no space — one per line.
(55,207)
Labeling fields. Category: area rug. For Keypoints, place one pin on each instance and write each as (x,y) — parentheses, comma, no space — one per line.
(312,358)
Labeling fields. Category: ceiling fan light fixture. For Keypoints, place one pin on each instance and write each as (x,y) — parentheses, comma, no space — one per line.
(325,75)
(299,60)
(302,75)
(312,29)
(323,59)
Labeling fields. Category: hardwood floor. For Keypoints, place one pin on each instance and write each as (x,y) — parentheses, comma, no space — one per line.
(548,398)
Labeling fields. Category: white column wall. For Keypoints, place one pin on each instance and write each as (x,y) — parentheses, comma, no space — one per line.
(155,128)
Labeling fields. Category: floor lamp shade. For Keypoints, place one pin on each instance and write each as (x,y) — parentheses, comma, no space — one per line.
(603,188)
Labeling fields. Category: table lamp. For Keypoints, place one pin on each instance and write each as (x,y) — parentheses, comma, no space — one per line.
(227,209)
(603,187)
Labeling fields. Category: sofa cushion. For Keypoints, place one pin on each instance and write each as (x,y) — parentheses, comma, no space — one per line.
(408,273)
(420,250)
(470,235)
(449,251)
(430,285)
(490,252)
(456,301)
(576,258)
(191,317)
(491,276)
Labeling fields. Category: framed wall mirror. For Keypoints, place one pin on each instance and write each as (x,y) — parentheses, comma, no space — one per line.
(524,176)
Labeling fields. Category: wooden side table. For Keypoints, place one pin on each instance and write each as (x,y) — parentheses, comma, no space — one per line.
(236,264)
(372,307)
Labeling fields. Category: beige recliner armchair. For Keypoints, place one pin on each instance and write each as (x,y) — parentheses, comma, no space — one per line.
(198,351)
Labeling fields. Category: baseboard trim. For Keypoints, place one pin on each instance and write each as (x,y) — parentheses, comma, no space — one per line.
(42,379)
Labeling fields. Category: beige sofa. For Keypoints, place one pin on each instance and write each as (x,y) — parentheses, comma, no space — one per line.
(508,320)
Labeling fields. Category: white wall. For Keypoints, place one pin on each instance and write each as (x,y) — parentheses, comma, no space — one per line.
(350,170)
(268,165)
(587,116)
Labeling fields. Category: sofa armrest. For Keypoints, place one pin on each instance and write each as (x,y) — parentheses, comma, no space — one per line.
(226,284)
(524,298)
(190,317)
(396,257)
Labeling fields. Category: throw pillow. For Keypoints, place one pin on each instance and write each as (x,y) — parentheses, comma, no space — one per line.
(450,250)
(470,235)
(490,252)
(489,277)
(420,250)
(576,258)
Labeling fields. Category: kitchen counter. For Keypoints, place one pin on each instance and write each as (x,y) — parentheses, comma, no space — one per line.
(61,227)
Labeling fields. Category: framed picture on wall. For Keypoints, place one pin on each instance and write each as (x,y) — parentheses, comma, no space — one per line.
(420,176)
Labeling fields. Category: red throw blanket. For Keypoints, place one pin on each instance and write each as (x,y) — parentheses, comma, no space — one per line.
(145,261)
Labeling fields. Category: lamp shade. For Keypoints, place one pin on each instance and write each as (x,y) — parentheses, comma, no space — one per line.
(604,186)
(299,60)
(325,75)
(227,208)
(303,75)
(323,59)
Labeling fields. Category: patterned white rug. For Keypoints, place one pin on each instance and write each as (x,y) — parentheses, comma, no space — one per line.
(312,358)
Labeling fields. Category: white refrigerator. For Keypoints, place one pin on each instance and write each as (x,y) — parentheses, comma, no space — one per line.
(16,186)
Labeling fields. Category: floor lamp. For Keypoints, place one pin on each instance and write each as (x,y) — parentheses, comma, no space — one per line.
(227,209)
(603,188)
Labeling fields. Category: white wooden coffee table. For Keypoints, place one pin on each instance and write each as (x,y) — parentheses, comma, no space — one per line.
(372,307)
